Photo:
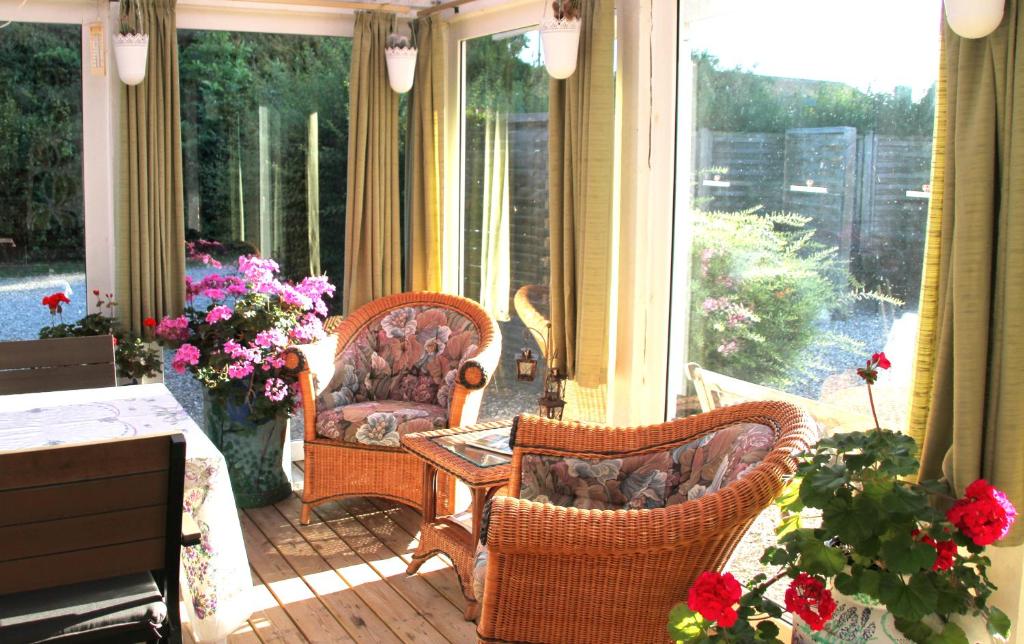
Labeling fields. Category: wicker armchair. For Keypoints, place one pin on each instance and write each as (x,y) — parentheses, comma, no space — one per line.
(551,573)
(404,363)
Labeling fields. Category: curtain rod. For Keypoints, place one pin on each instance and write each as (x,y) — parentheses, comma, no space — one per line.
(364,5)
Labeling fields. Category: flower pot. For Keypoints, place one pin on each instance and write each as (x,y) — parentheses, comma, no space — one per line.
(974,18)
(560,40)
(401,63)
(130,51)
(259,462)
(857,620)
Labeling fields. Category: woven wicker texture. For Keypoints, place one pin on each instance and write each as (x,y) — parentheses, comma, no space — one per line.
(558,574)
(336,469)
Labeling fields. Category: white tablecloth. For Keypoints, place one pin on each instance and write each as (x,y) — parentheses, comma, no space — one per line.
(215,578)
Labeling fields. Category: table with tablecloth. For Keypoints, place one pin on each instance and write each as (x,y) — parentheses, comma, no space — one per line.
(215,579)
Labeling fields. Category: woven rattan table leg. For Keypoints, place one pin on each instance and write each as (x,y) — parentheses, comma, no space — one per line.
(429,515)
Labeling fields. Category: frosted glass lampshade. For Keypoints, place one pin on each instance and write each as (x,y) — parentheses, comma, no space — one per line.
(974,18)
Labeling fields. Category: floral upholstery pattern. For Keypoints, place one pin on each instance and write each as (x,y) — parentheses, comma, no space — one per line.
(409,355)
(645,481)
(381,423)
(479,572)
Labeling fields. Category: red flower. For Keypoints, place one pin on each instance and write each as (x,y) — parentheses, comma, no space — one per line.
(945,551)
(149,322)
(984,514)
(54,300)
(96,292)
(869,372)
(713,596)
(808,598)
(880,360)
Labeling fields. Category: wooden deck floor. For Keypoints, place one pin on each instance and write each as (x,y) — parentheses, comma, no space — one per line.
(342,578)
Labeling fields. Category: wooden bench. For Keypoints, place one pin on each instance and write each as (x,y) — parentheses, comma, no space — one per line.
(90,538)
(57,364)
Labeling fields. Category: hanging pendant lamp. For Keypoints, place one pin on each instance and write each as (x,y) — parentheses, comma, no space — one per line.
(974,18)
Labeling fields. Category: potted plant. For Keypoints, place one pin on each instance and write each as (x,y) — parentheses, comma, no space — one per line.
(886,559)
(131,44)
(234,347)
(560,37)
(400,55)
(134,358)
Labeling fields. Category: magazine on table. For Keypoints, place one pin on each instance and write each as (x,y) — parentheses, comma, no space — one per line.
(492,441)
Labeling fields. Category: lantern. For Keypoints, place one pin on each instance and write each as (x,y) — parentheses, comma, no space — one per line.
(552,403)
(526,366)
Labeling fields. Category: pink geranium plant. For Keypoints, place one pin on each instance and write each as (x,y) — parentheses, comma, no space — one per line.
(876,534)
(234,345)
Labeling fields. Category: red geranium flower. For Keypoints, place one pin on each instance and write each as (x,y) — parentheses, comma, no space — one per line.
(869,372)
(880,360)
(713,596)
(96,292)
(984,514)
(808,598)
(149,322)
(945,551)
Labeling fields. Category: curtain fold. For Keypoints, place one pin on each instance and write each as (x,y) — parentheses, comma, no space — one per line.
(150,216)
(973,428)
(425,153)
(580,191)
(373,242)
(495,253)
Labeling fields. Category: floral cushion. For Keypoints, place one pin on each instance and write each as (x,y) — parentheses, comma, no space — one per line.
(381,423)
(646,481)
(479,573)
(411,354)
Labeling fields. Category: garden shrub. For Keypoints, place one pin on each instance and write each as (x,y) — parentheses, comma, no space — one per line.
(760,285)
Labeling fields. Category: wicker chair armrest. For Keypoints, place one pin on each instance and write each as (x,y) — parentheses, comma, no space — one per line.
(315,359)
(475,372)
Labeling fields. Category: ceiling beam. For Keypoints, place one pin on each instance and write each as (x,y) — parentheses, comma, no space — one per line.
(356,5)
(451,4)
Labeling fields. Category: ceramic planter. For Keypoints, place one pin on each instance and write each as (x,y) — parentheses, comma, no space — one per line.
(401,63)
(560,40)
(259,462)
(130,51)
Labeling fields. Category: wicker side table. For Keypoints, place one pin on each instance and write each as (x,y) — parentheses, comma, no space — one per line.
(484,472)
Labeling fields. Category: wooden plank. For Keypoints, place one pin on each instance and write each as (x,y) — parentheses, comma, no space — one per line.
(57,352)
(436,571)
(329,586)
(28,381)
(65,463)
(347,4)
(444,615)
(387,604)
(82,565)
(268,620)
(45,538)
(81,498)
(312,618)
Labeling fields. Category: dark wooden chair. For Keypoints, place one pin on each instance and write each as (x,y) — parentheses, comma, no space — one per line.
(57,364)
(90,541)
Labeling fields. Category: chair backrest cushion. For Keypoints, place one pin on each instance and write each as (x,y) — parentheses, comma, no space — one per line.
(411,353)
(649,480)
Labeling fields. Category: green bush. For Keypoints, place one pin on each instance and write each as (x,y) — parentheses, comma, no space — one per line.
(760,285)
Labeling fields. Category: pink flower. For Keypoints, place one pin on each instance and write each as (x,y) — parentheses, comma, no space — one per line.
(728,348)
(185,355)
(214,293)
(276,389)
(239,370)
(271,338)
(173,329)
(219,313)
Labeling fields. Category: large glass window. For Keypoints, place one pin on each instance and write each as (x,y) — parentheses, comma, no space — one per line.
(42,225)
(505,197)
(803,224)
(265,146)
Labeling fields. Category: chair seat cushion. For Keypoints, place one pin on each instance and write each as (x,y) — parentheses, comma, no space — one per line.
(479,573)
(650,480)
(89,611)
(379,423)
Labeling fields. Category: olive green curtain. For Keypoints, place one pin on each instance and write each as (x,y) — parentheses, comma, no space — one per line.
(150,217)
(974,427)
(425,151)
(373,242)
(495,246)
(580,190)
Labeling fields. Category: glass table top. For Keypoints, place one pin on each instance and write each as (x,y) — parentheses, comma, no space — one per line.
(483,448)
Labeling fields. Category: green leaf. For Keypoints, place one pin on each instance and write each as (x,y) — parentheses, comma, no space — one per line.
(907,601)
(951,634)
(788,524)
(998,623)
(684,624)
(917,631)
(903,554)
(817,558)
(767,630)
